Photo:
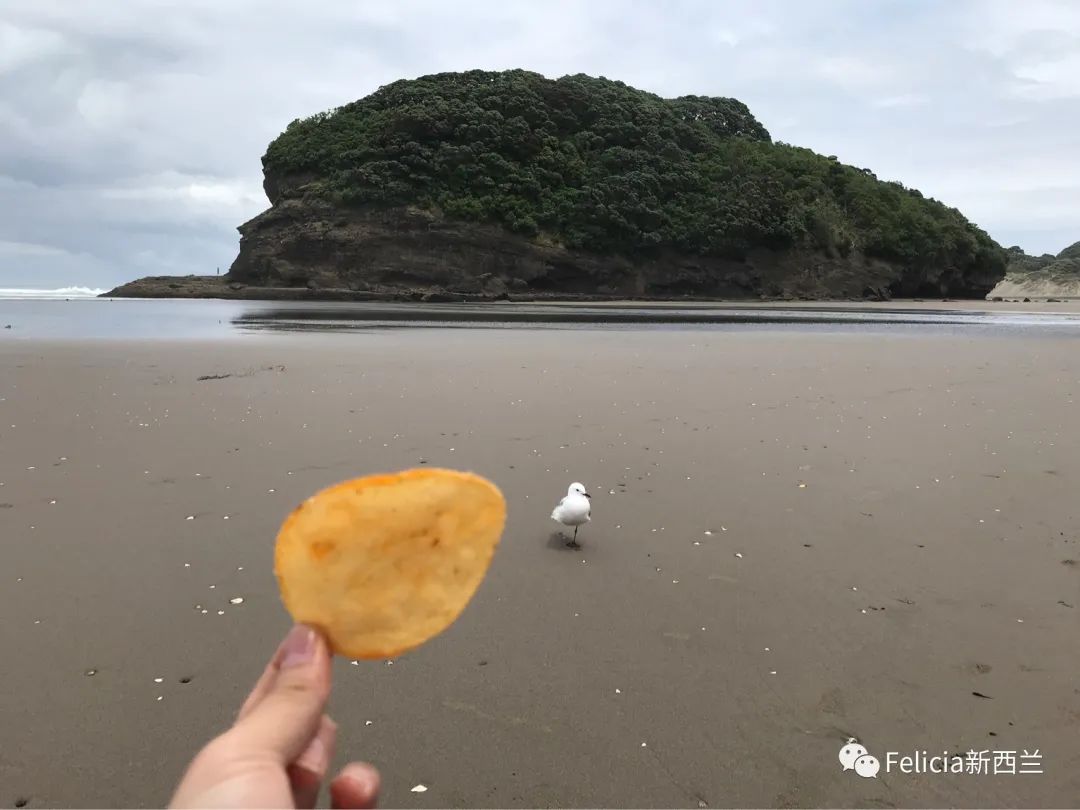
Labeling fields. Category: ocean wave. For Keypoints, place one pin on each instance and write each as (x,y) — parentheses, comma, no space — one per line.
(62,292)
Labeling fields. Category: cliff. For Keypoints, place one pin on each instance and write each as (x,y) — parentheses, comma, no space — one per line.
(496,184)
(306,243)
(1040,277)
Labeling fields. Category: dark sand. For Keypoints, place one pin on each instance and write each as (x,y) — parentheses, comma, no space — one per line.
(925,559)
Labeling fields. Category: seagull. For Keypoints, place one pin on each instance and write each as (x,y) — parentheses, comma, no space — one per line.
(573,510)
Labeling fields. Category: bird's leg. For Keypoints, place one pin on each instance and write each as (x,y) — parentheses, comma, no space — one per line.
(574,543)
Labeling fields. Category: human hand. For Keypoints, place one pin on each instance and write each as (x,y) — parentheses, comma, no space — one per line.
(279,749)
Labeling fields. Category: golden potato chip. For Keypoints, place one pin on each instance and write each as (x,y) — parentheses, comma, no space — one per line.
(382,564)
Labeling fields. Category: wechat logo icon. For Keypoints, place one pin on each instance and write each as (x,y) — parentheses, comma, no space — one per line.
(855,757)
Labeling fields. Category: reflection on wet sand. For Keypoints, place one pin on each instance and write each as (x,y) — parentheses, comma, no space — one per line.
(349,317)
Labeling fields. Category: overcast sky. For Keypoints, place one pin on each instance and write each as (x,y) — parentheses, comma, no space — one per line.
(131,130)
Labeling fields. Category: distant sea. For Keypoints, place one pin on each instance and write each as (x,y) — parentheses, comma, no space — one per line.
(18,294)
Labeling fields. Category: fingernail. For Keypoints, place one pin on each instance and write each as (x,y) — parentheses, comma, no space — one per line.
(364,774)
(298,648)
(357,785)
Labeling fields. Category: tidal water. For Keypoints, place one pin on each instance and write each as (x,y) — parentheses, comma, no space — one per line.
(123,319)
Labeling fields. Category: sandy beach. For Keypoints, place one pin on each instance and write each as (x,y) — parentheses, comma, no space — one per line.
(798,537)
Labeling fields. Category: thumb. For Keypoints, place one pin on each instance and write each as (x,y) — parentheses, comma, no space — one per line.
(284,721)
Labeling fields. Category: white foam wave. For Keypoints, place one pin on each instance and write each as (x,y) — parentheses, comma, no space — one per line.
(62,292)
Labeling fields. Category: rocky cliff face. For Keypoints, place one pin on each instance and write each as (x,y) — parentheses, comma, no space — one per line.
(311,244)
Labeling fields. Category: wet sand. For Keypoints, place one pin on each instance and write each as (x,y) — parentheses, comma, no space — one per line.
(904,507)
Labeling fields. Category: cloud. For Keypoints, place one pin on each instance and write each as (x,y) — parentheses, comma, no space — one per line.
(854,72)
(133,129)
(195,195)
(902,100)
(23,46)
(1050,80)
(16,249)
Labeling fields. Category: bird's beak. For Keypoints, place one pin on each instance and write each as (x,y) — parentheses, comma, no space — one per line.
(587,495)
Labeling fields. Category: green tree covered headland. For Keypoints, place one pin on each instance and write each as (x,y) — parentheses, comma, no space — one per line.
(593,164)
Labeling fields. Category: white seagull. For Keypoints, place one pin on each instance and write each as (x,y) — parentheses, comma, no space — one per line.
(573,510)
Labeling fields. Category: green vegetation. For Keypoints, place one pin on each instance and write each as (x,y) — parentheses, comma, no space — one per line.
(1063,267)
(594,164)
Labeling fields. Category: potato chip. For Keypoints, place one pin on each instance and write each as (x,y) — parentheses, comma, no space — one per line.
(382,564)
